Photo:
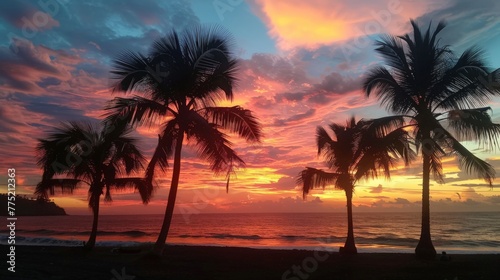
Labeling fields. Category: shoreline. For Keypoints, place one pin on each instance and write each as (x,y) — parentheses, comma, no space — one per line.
(362,248)
(72,243)
(214,262)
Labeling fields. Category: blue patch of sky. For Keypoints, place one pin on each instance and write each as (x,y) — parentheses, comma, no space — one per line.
(53,111)
(121,28)
(492,53)
(249,31)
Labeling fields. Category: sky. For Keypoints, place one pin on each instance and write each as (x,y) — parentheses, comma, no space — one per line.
(301,66)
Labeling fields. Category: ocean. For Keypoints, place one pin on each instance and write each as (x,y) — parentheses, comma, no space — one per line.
(374,232)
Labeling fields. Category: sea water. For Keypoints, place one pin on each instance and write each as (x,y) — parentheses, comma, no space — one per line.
(374,232)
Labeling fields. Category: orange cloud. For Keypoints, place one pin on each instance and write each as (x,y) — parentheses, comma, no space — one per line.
(318,22)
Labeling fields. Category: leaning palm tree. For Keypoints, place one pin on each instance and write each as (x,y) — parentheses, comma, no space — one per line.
(438,94)
(357,150)
(180,82)
(93,156)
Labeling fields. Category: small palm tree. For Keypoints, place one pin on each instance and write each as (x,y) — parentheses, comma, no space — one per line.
(181,81)
(92,156)
(428,85)
(357,150)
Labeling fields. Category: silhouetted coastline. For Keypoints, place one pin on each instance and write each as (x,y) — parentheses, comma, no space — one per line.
(32,207)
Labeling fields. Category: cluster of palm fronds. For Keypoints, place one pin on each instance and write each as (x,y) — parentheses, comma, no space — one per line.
(177,86)
(435,96)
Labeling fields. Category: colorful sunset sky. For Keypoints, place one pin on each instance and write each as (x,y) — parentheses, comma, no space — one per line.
(302,63)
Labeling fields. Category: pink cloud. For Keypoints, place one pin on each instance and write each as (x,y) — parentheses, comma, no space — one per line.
(26,65)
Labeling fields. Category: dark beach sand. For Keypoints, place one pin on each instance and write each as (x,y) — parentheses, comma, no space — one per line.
(198,262)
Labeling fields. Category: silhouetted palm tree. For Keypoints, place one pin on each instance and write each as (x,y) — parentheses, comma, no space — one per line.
(181,81)
(357,150)
(92,156)
(427,84)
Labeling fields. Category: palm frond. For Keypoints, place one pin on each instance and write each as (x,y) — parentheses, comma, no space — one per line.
(168,46)
(107,195)
(372,162)
(392,51)
(139,184)
(66,147)
(236,120)
(48,186)
(474,124)
(382,126)
(207,70)
(217,82)
(127,154)
(72,133)
(323,141)
(389,91)
(337,153)
(212,144)
(130,70)
(135,111)
(461,98)
(49,159)
(463,85)
(379,152)
(311,178)
(398,143)
(436,167)
(470,162)
(201,39)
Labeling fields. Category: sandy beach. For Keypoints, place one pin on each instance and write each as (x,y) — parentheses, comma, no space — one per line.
(200,262)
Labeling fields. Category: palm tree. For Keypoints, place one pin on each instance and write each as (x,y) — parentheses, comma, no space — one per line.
(425,83)
(181,81)
(357,150)
(90,155)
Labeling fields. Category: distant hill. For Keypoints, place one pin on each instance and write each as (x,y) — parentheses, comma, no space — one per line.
(31,207)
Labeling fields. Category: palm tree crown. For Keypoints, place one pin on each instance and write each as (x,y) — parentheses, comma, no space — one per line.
(437,93)
(357,150)
(92,155)
(180,82)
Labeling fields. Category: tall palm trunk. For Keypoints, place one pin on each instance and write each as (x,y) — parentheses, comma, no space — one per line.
(93,234)
(169,211)
(350,246)
(425,248)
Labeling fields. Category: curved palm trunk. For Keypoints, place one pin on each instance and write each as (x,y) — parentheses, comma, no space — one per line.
(425,248)
(169,211)
(93,234)
(349,246)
